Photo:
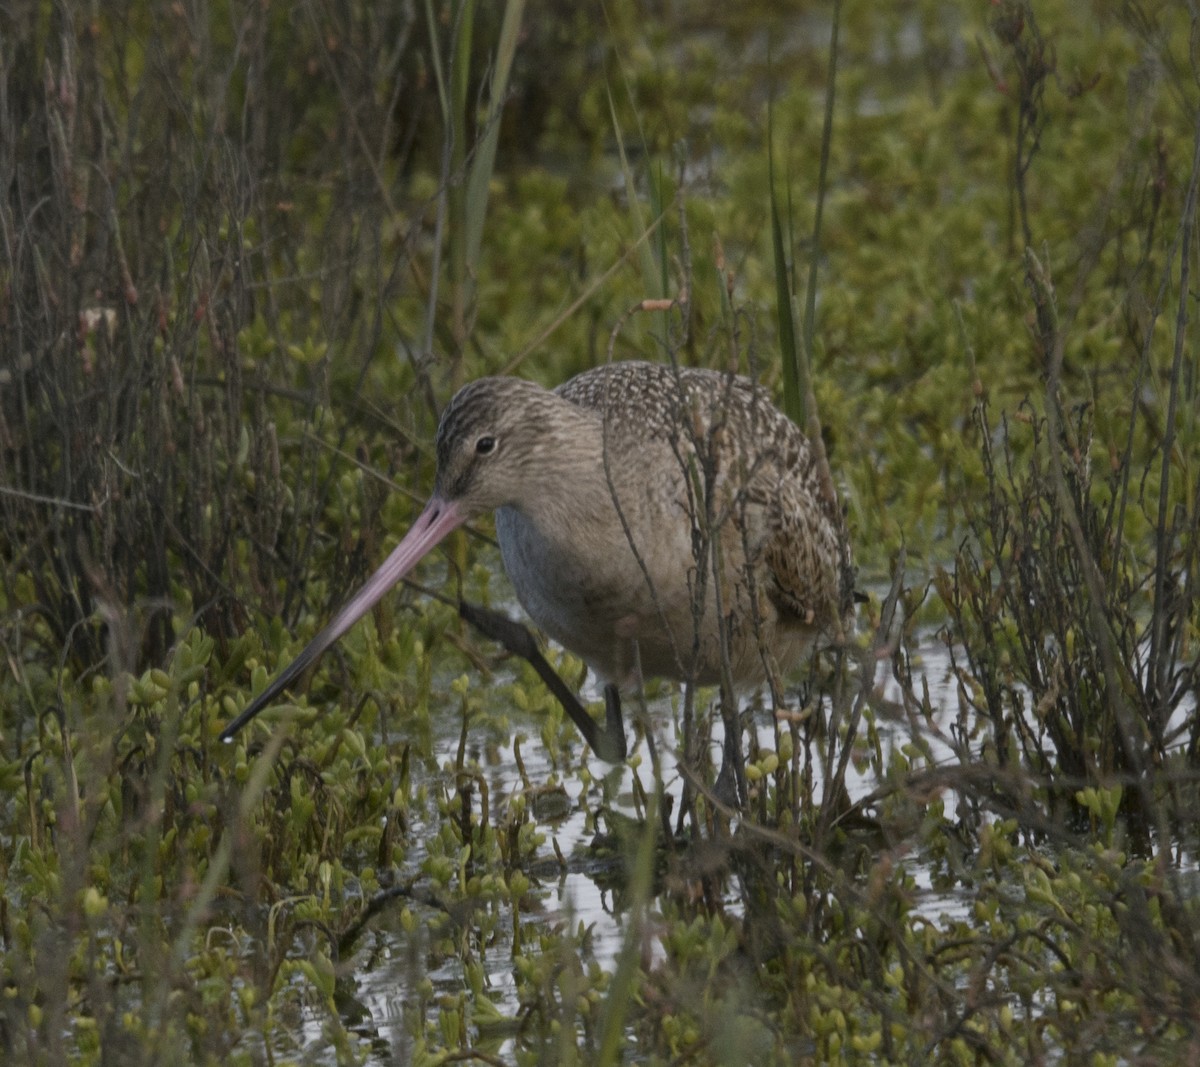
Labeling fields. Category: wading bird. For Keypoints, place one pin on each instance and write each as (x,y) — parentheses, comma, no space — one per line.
(656,520)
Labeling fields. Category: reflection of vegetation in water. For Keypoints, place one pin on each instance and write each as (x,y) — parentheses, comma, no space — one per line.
(225,327)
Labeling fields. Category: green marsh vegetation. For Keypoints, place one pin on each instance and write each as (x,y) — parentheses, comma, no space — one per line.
(248,249)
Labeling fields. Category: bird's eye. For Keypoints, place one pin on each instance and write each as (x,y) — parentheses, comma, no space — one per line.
(485,445)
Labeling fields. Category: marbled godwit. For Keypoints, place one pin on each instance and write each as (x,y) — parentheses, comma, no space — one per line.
(675,512)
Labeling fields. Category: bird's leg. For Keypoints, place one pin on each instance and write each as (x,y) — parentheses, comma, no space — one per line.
(609,744)
(614,723)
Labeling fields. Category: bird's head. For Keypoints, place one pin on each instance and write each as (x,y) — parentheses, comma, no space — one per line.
(491,435)
(495,442)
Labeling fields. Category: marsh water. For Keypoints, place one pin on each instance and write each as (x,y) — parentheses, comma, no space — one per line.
(378,983)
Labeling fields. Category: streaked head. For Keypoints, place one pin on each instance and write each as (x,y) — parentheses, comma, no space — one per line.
(492,441)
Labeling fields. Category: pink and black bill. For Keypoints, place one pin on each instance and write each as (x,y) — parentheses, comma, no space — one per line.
(440,518)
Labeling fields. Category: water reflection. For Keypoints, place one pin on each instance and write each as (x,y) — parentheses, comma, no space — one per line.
(573,897)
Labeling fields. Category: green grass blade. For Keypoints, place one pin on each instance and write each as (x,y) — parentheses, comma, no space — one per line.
(810,303)
(624,986)
(651,275)
(789,353)
(459,95)
(435,58)
(484,160)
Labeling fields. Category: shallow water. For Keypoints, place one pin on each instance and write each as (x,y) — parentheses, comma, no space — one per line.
(381,978)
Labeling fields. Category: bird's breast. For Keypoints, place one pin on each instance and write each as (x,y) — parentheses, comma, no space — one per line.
(599,595)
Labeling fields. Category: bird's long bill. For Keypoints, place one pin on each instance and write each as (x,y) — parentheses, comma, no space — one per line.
(439,518)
